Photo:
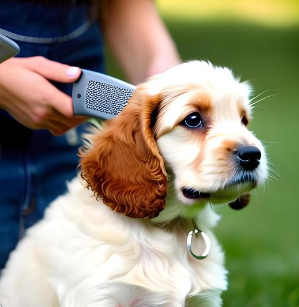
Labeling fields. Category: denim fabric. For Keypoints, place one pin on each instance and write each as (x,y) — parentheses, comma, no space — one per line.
(34,165)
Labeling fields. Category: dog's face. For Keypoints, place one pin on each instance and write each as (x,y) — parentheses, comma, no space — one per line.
(202,134)
(190,123)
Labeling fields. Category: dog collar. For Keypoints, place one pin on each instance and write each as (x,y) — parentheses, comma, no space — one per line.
(206,239)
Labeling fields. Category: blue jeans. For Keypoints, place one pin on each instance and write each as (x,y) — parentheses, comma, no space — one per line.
(34,165)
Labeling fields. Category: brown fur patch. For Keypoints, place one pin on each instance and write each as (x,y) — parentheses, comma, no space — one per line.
(200,102)
(124,167)
(229,145)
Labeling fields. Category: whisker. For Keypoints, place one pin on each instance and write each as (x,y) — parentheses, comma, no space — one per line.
(275,176)
(276,172)
(272,178)
(254,103)
(264,189)
(273,142)
(254,192)
(274,166)
(261,94)
(263,108)
(261,190)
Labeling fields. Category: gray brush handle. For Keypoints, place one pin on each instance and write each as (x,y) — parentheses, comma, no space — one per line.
(8,48)
(99,95)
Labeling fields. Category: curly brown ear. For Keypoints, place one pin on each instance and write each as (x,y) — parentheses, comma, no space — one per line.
(123,166)
(241,202)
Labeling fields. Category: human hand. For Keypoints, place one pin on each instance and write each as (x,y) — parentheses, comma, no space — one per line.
(32,100)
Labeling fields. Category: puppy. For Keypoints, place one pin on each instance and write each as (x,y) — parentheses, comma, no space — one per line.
(138,234)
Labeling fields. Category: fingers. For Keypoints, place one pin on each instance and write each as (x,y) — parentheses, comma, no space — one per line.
(60,102)
(58,72)
(33,100)
(57,128)
(55,112)
(53,70)
(54,98)
(69,123)
(59,125)
(58,116)
(62,125)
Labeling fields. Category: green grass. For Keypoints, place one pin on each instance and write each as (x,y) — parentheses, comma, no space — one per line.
(261,242)
(265,12)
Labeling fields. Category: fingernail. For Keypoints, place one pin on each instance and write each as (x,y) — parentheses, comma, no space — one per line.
(72,71)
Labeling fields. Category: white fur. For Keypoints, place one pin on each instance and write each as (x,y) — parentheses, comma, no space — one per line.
(220,80)
(84,254)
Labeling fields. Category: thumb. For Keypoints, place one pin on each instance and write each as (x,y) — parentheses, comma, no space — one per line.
(53,70)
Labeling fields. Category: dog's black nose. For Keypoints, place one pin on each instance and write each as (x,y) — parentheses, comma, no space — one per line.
(249,157)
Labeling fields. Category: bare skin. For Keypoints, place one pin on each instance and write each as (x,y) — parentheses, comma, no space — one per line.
(27,94)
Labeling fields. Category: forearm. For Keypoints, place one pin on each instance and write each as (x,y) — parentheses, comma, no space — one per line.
(138,38)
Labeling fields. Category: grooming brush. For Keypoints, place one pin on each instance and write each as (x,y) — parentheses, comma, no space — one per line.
(99,95)
(8,48)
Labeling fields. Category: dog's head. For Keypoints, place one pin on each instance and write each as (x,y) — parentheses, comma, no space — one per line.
(188,124)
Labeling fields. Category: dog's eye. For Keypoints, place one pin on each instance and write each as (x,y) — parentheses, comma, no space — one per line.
(244,121)
(193,120)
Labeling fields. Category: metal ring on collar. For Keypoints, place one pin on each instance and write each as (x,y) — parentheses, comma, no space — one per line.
(206,240)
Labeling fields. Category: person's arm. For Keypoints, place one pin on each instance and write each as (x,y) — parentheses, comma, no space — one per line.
(31,99)
(138,38)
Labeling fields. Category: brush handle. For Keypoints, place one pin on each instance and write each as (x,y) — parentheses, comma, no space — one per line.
(8,48)
(98,95)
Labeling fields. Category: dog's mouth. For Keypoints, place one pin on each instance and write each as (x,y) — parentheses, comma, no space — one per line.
(239,203)
(194,194)
(235,192)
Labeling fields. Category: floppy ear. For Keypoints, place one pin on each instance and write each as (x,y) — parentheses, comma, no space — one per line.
(123,166)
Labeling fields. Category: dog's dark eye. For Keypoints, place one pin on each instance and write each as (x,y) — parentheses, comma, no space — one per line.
(244,121)
(193,120)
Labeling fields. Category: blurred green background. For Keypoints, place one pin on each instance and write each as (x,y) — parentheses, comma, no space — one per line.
(259,40)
